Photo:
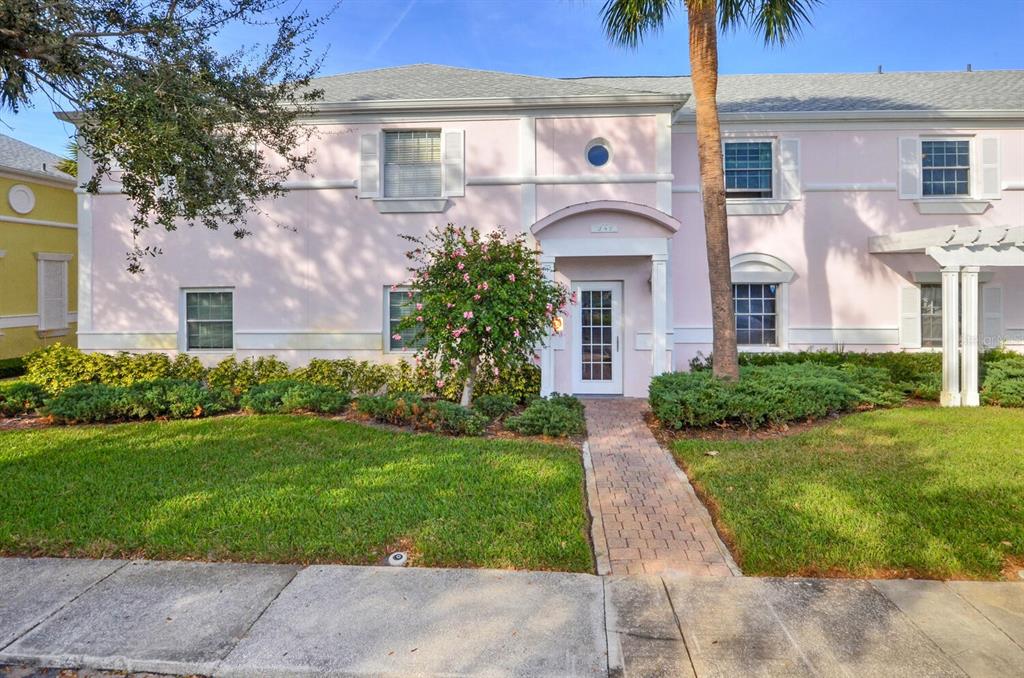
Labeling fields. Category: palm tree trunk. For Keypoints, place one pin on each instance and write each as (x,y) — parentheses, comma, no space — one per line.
(704,75)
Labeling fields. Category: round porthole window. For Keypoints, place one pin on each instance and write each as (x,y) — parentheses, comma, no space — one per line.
(21,198)
(598,153)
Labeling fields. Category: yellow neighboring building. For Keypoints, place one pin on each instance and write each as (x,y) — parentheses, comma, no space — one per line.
(38,250)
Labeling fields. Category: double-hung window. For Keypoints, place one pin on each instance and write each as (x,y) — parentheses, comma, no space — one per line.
(945,167)
(209,320)
(748,169)
(412,164)
(755,308)
(401,306)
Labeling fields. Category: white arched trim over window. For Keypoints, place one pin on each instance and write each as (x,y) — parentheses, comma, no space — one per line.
(761,301)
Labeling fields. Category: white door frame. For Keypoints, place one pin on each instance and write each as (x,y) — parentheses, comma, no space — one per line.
(614,385)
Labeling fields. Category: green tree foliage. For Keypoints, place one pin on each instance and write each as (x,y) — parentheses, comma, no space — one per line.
(194,136)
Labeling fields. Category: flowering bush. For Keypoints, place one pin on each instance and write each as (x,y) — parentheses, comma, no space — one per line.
(483,303)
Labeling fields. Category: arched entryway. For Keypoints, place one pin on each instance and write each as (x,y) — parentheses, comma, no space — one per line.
(614,255)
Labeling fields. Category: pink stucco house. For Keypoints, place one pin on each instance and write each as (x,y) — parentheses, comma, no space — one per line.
(867,211)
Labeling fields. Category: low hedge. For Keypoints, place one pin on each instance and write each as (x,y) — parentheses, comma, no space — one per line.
(58,367)
(172,398)
(411,410)
(288,396)
(769,395)
(557,415)
(20,397)
(1003,379)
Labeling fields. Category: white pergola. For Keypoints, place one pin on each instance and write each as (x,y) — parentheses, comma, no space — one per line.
(960,251)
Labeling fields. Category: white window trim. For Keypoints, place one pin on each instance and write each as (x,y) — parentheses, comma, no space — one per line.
(776,168)
(757,268)
(969,203)
(598,141)
(388,289)
(183,322)
(64,325)
(384,132)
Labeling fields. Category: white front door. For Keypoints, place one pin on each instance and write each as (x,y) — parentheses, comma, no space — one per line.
(597,338)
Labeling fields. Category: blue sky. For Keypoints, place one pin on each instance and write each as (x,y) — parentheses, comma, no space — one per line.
(564,38)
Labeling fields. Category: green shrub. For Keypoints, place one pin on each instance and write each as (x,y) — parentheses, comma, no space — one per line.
(558,415)
(85,403)
(452,418)
(12,367)
(20,397)
(402,409)
(237,377)
(125,369)
(294,396)
(58,367)
(175,398)
(495,405)
(187,367)
(769,395)
(1003,379)
(915,374)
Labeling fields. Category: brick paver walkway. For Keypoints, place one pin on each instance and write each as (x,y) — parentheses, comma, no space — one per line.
(647,517)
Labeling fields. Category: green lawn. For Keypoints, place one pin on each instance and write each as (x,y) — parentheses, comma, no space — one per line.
(296,489)
(925,492)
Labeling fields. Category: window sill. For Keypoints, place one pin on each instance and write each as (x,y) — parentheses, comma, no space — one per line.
(951,206)
(753,348)
(406,205)
(50,334)
(755,207)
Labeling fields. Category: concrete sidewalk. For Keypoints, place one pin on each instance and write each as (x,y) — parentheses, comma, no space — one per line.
(280,620)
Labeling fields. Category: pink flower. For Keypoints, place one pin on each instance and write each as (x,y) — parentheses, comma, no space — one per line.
(485,286)
(549,307)
(512,277)
(465,276)
(495,371)
(461,266)
(467,314)
(396,337)
(419,307)
(440,383)
(450,304)
(409,294)
(419,318)
(515,334)
(394,288)
(488,328)
(476,297)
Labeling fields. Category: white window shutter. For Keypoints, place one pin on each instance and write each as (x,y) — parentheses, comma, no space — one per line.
(454,161)
(910,167)
(53,295)
(988,174)
(789,169)
(910,317)
(991,316)
(369,165)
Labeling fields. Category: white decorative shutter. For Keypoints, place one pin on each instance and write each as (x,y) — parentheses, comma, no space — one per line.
(991,316)
(910,167)
(789,169)
(53,297)
(988,174)
(910,317)
(369,165)
(454,161)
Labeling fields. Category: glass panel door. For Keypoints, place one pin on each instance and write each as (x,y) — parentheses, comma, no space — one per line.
(598,358)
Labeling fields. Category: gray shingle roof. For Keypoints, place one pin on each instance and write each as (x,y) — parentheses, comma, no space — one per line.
(432,82)
(22,157)
(946,91)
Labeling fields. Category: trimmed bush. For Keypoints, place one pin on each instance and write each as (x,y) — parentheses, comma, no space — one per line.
(558,415)
(294,396)
(58,367)
(770,395)
(402,409)
(237,377)
(1003,379)
(494,406)
(20,397)
(12,367)
(452,418)
(83,403)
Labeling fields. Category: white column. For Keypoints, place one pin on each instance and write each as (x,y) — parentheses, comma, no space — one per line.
(85,205)
(547,354)
(950,336)
(659,312)
(969,334)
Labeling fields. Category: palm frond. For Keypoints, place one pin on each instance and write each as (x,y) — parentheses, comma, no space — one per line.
(776,21)
(69,163)
(627,22)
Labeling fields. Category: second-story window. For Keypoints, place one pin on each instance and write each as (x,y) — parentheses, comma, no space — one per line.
(748,169)
(945,167)
(412,164)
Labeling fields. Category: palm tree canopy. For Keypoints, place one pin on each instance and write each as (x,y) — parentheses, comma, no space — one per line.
(627,22)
